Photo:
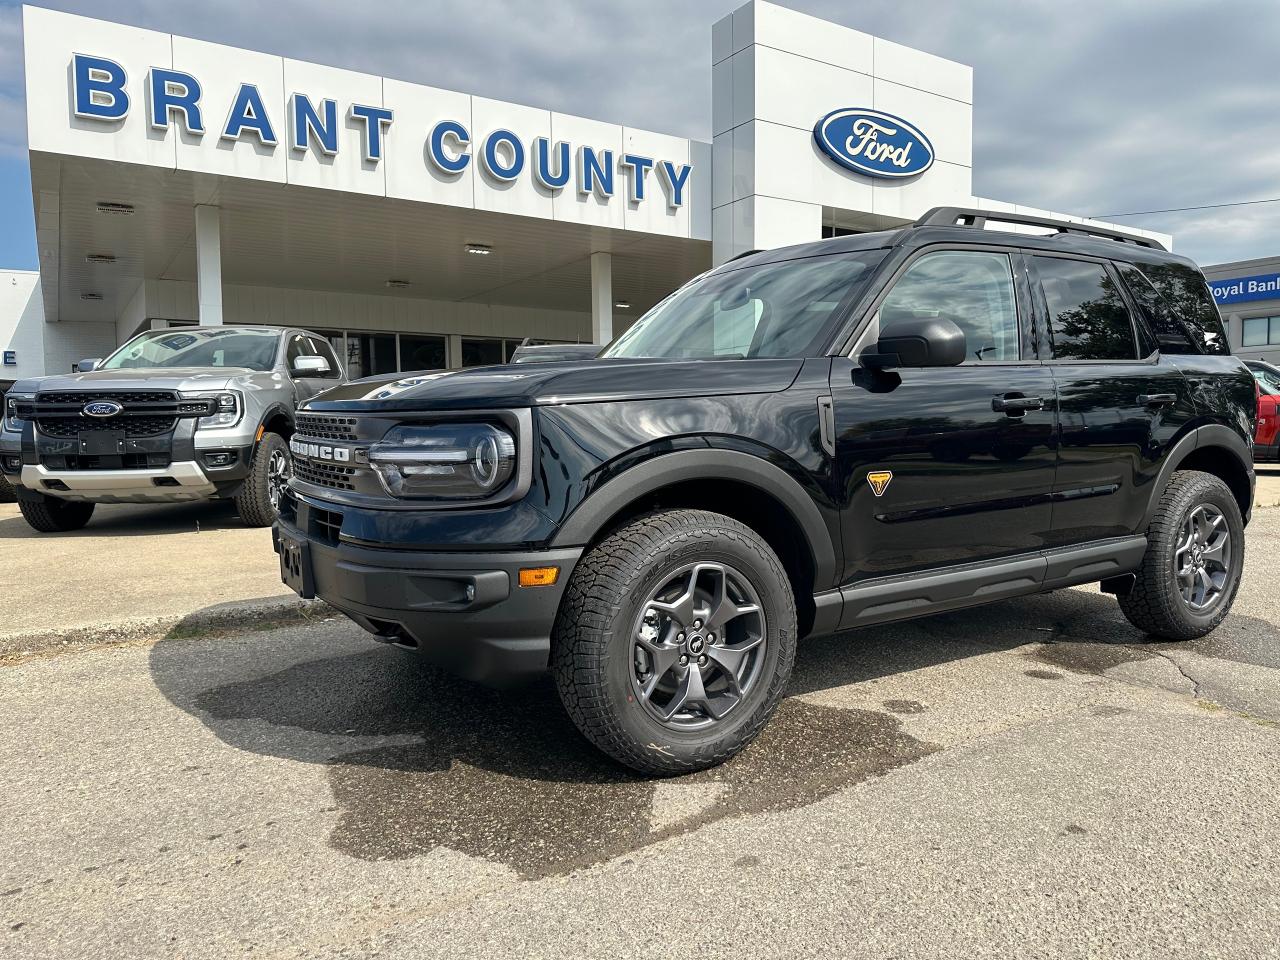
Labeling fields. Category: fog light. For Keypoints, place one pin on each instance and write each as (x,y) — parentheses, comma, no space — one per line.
(220,459)
(12,464)
(539,576)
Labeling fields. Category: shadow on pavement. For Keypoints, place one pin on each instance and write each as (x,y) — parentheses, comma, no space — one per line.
(417,759)
(134,520)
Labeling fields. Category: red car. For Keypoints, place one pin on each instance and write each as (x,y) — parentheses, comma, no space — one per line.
(1266,442)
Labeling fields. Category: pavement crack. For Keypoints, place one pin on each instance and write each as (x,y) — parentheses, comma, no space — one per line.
(1195,684)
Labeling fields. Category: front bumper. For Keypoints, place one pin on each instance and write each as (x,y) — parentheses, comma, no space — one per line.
(462,611)
(178,482)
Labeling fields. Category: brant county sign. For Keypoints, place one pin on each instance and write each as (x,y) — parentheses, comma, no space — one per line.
(874,143)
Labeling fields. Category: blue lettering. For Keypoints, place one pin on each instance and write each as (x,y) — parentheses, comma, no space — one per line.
(376,121)
(306,121)
(595,172)
(98,88)
(640,167)
(493,162)
(174,91)
(542,168)
(249,114)
(436,146)
(675,178)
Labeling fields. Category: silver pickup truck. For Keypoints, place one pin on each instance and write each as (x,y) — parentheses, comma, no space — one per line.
(173,415)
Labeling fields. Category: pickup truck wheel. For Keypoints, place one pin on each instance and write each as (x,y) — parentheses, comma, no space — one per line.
(51,515)
(674,641)
(1195,555)
(258,501)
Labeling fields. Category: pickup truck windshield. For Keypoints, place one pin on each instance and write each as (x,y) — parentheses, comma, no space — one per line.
(775,310)
(227,347)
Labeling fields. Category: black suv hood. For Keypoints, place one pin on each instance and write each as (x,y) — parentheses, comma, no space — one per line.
(574,381)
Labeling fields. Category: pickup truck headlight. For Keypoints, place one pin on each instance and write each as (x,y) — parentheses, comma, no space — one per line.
(445,461)
(11,420)
(228,410)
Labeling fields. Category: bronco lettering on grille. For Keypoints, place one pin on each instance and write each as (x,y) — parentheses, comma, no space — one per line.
(320,451)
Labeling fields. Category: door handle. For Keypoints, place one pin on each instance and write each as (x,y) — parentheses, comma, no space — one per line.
(1016,406)
(1158,399)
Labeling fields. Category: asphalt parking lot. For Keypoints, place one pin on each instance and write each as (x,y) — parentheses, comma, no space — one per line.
(1028,779)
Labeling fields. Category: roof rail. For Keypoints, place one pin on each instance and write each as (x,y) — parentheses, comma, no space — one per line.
(973,217)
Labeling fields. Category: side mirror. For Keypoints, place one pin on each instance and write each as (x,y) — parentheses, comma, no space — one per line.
(918,342)
(88,366)
(311,366)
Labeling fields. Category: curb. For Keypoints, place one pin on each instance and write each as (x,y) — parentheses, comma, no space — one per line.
(262,614)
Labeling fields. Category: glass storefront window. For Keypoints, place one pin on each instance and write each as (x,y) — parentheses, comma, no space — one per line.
(1261,332)
(369,354)
(422,353)
(482,353)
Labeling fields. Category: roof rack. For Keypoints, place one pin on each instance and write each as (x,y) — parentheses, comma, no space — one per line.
(973,217)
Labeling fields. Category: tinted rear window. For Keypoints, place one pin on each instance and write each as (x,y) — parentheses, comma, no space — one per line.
(1088,319)
(1185,320)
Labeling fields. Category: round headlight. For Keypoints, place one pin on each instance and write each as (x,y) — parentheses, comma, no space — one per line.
(445,461)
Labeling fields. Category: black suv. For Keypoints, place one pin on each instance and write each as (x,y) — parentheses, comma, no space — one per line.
(802,441)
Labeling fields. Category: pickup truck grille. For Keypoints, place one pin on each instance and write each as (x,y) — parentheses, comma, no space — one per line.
(143,413)
(326,428)
(71,427)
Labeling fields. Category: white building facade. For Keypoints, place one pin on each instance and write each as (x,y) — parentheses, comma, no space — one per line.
(178,182)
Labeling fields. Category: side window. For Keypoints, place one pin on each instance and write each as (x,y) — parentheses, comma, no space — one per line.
(972,288)
(1180,308)
(301,345)
(321,348)
(1088,319)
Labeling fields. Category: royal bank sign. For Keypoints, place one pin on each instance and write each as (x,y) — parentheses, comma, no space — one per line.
(101,92)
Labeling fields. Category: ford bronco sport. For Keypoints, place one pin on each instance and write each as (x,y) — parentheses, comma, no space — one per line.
(173,415)
(802,441)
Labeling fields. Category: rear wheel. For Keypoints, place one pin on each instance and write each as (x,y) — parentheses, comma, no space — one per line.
(1195,556)
(51,515)
(258,501)
(674,641)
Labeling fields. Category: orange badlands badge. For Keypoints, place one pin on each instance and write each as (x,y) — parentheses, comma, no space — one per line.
(880,481)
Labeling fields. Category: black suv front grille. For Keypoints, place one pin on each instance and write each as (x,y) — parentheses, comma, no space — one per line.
(324,474)
(326,428)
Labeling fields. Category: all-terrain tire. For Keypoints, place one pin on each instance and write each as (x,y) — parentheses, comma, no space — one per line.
(51,515)
(592,656)
(1155,604)
(254,501)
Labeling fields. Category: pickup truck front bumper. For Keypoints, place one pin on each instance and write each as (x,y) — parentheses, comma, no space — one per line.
(176,483)
(464,611)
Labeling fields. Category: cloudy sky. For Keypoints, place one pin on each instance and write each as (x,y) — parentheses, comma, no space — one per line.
(1094,107)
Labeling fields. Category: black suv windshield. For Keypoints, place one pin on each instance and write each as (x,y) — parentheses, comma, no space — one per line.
(773,310)
(226,347)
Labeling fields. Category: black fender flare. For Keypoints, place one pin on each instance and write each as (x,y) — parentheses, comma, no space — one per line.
(274,410)
(598,508)
(1209,435)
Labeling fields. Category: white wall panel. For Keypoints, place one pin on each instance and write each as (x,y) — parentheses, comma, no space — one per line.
(348,169)
(521,196)
(51,38)
(410,175)
(221,70)
(22,323)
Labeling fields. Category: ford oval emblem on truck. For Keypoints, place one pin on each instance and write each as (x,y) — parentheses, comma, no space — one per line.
(874,143)
(101,408)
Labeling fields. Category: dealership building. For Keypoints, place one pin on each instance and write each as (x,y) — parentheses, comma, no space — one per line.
(178,182)
(1248,294)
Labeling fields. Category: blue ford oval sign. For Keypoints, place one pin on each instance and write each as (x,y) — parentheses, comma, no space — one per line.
(102,408)
(874,143)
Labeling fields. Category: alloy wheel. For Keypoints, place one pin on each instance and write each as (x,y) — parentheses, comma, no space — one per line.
(698,646)
(278,470)
(1202,560)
